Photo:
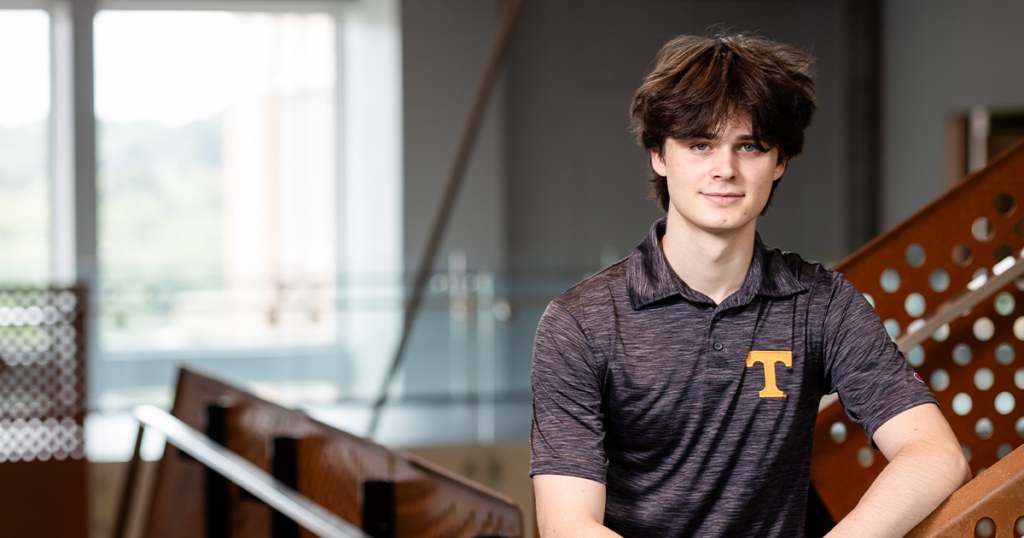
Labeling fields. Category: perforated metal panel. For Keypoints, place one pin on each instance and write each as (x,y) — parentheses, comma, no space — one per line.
(975,364)
(42,374)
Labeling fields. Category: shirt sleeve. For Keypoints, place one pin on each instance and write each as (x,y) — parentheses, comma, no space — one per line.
(874,381)
(567,429)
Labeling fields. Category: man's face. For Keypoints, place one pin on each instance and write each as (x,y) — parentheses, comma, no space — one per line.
(718,185)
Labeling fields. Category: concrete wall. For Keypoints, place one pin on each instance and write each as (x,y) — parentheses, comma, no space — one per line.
(941,57)
(444,47)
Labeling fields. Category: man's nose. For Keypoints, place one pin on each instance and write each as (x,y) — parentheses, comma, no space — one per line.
(723,165)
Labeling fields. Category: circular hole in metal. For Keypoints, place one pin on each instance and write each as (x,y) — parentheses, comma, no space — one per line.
(967,452)
(1004,204)
(1004,251)
(892,327)
(939,380)
(962,255)
(962,354)
(914,305)
(916,356)
(1004,354)
(984,528)
(865,457)
(984,329)
(915,255)
(983,428)
(939,280)
(1005,403)
(1005,303)
(942,333)
(1004,450)
(983,379)
(981,229)
(1018,527)
(1018,328)
(980,277)
(838,432)
(1018,378)
(962,404)
(869,299)
(890,280)
(1019,229)
(1020,426)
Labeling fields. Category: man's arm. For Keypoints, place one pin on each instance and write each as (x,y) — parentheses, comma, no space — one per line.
(925,466)
(569,507)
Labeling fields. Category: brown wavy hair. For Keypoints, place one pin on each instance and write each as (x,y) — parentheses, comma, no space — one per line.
(699,83)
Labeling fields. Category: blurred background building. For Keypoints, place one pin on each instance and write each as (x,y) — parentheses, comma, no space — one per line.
(247,185)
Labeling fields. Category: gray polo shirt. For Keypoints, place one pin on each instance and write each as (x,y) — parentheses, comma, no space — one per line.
(699,417)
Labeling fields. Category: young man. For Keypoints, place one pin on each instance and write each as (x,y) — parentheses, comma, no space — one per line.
(675,392)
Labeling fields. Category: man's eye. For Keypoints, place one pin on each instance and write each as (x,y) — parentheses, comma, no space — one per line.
(701,146)
(750,147)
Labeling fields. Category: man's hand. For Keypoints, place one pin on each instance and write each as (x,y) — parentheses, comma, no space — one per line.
(569,507)
(925,466)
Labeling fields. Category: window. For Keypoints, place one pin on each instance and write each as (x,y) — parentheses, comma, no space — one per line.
(217,179)
(248,201)
(24,146)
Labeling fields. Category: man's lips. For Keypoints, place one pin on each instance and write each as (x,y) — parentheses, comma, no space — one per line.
(723,198)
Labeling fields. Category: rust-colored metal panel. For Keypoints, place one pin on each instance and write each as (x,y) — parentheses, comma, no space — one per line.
(430,502)
(908,272)
(996,495)
(43,471)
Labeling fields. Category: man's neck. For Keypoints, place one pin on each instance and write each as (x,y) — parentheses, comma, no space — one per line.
(711,263)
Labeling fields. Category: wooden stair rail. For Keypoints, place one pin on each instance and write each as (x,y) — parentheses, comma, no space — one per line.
(991,505)
(332,468)
(254,480)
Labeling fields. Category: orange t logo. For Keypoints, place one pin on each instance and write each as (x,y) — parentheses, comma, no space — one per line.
(768,360)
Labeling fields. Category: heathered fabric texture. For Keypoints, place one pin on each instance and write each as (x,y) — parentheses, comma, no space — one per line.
(641,383)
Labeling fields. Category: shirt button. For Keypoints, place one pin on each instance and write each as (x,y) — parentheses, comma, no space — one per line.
(718,346)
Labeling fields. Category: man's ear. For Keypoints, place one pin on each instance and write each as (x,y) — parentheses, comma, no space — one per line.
(780,169)
(658,163)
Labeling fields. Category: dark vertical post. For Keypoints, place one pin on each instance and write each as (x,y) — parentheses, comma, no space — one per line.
(285,467)
(379,508)
(863,93)
(218,488)
(128,492)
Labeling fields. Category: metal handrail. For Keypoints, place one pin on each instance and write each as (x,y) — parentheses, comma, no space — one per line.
(947,312)
(956,306)
(246,475)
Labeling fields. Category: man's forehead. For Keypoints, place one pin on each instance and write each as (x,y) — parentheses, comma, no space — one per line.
(735,126)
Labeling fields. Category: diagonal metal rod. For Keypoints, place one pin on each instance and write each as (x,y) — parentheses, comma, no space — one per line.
(955,307)
(484,88)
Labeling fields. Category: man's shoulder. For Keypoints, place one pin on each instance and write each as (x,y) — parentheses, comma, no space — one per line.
(812,275)
(597,289)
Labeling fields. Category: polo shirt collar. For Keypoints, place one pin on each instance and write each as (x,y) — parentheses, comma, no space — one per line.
(650,279)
